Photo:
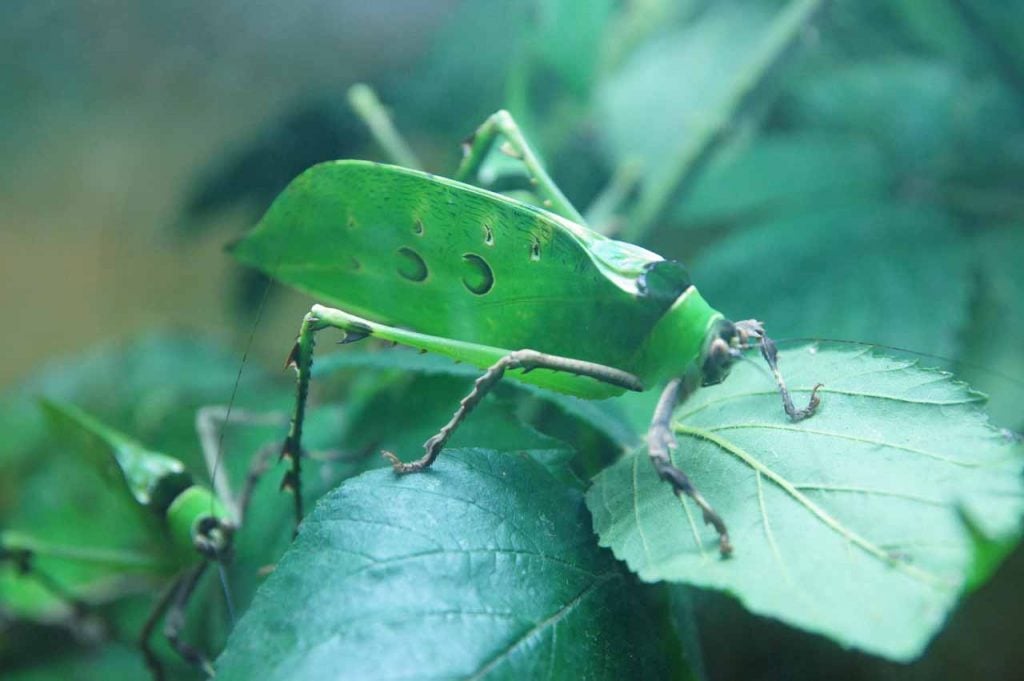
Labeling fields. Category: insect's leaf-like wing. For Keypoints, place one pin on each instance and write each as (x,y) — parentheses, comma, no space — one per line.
(861,523)
(149,475)
(484,567)
(446,259)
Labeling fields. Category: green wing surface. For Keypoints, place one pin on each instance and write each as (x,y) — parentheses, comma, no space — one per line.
(153,479)
(445,259)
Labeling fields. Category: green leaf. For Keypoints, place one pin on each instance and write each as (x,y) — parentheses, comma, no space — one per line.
(485,566)
(881,273)
(848,524)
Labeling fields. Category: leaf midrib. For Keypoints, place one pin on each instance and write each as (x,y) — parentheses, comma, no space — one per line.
(821,514)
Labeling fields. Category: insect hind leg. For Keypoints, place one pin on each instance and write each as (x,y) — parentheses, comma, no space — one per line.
(479,144)
(301,359)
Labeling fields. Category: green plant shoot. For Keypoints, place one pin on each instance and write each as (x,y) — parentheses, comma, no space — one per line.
(518,290)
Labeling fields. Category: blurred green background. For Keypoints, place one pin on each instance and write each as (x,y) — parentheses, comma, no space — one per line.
(848,170)
(881,139)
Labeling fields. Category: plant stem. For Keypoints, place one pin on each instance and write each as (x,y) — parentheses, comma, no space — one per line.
(368,107)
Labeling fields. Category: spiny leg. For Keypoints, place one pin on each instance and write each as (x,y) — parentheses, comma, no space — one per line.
(477,147)
(520,359)
(301,359)
(661,441)
(175,621)
(751,328)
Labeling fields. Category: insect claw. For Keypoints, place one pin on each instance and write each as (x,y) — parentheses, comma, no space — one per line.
(724,546)
(396,463)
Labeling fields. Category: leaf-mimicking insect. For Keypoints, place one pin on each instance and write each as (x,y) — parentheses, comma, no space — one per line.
(518,290)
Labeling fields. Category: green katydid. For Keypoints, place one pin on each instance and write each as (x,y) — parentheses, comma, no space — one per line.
(194,525)
(444,266)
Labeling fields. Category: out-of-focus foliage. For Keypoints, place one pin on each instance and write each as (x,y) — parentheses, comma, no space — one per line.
(838,170)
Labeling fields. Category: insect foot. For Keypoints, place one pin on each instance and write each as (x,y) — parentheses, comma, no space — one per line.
(771,355)
(681,485)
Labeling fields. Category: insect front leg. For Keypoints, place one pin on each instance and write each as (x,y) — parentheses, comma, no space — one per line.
(173,602)
(660,443)
(477,147)
(175,621)
(520,359)
(751,328)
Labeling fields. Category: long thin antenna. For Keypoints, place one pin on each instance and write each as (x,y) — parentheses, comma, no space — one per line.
(238,381)
(227,592)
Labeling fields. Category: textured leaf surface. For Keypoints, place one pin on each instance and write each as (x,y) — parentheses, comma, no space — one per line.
(851,523)
(485,566)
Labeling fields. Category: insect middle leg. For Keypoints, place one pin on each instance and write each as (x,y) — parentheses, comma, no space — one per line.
(23,560)
(520,359)
(173,603)
(660,443)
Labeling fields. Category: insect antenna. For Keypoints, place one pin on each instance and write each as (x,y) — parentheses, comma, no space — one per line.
(228,601)
(234,388)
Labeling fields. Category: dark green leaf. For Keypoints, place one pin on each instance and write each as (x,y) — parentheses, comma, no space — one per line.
(483,567)
(849,524)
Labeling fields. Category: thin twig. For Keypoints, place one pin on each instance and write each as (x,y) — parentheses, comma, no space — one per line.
(368,107)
